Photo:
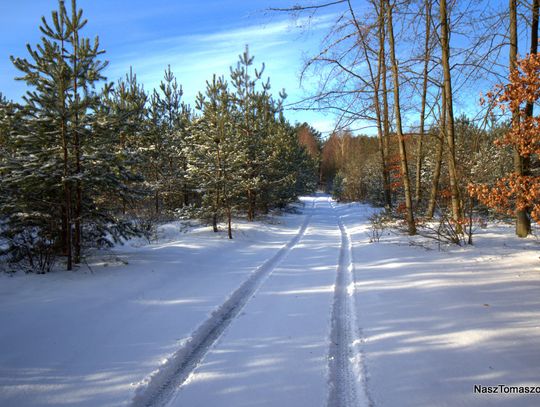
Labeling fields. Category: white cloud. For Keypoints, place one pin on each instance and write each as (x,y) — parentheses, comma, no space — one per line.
(325,126)
(194,58)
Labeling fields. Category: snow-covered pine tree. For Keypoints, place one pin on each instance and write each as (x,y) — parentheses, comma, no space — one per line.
(288,170)
(9,113)
(124,115)
(250,134)
(169,117)
(85,71)
(293,171)
(113,180)
(8,119)
(215,161)
(307,167)
(41,216)
(276,167)
(55,169)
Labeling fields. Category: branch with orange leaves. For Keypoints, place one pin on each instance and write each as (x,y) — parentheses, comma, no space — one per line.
(511,193)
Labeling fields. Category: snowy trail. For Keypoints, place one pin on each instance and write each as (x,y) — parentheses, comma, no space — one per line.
(347,387)
(295,342)
(158,390)
(276,352)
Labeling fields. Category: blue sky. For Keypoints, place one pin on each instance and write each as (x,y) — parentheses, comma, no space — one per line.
(197,38)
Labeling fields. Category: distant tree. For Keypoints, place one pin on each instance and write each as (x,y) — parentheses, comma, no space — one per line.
(293,170)
(311,139)
(330,160)
(359,177)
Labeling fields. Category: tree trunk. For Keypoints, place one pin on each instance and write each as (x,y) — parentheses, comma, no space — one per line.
(419,158)
(523,225)
(385,112)
(63,233)
(217,202)
(229,221)
(215,223)
(78,194)
(185,186)
(67,201)
(438,164)
(401,140)
(251,196)
(457,214)
(522,164)
(65,146)
(382,116)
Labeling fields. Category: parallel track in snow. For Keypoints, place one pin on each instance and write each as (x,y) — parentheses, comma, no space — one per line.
(163,383)
(346,372)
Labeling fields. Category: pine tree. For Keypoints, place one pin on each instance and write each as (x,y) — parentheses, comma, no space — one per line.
(267,130)
(85,73)
(124,115)
(111,178)
(169,117)
(293,171)
(45,141)
(215,162)
(250,136)
(59,170)
(8,119)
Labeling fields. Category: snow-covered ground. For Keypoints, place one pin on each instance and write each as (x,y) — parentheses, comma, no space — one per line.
(436,323)
(299,311)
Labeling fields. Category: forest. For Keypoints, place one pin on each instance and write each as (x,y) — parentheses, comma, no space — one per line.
(87,163)
(404,69)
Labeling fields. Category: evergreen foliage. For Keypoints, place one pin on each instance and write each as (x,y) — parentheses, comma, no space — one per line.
(62,166)
(82,167)
(169,117)
(215,161)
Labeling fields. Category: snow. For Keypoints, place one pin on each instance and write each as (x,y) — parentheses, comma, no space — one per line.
(87,339)
(299,311)
(435,323)
(286,348)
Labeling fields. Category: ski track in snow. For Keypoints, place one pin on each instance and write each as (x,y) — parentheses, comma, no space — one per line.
(162,384)
(347,383)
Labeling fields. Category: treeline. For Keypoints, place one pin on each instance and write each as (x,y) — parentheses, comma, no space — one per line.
(86,163)
(402,67)
(351,166)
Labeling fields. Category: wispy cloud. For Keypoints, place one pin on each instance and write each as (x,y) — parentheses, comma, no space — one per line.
(195,58)
(196,41)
